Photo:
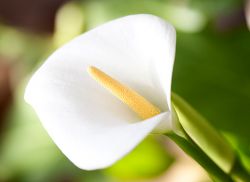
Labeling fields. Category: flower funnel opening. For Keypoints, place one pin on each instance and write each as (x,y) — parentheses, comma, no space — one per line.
(135,101)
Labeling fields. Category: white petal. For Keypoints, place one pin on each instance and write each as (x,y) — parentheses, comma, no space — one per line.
(88,124)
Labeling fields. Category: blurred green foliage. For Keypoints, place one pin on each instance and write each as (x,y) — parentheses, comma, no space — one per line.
(148,159)
(27,48)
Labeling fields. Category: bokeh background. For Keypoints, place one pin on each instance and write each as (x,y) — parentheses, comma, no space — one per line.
(212,72)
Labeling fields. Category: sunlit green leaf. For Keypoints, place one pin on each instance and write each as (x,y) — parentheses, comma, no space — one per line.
(147,160)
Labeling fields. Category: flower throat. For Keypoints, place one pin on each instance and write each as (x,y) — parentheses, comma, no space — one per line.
(131,98)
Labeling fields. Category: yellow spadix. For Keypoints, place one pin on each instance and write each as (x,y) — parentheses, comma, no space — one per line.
(135,101)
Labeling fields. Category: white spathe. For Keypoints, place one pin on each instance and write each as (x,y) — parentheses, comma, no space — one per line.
(90,126)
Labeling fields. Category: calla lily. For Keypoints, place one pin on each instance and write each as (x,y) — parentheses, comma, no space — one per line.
(91,127)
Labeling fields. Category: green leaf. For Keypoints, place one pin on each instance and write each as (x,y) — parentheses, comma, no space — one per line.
(212,74)
(204,135)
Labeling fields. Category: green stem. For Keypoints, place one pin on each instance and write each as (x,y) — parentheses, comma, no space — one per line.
(197,154)
(205,144)
(239,173)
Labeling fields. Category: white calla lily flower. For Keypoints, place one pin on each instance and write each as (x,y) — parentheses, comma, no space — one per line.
(90,125)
